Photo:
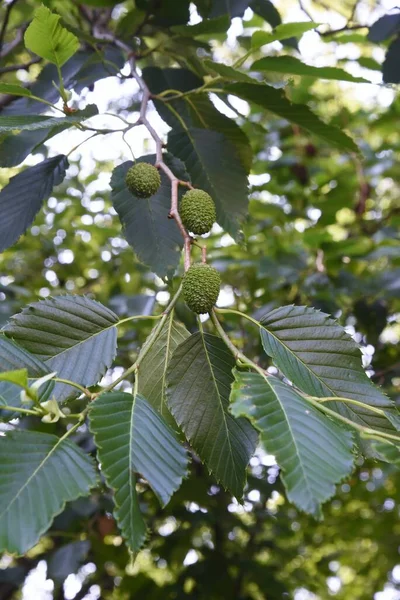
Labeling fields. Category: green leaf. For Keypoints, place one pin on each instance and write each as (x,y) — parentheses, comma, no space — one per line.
(16,147)
(154,237)
(294,66)
(281,32)
(313,452)
(153,368)
(195,110)
(227,72)
(390,67)
(72,335)
(22,198)
(220,24)
(277,102)
(18,377)
(214,166)
(321,359)
(48,39)
(14,358)
(39,473)
(266,10)
(234,8)
(14,90)
(132,438)
(33,122)
(199,377)
(388,451)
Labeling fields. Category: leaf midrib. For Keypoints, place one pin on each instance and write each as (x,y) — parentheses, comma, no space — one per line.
(292,435)
(220,402)
(58,443)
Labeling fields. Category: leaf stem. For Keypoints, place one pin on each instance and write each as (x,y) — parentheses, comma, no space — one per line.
(239,356)
(149,343)
(24,411)
(79,387)
(374,409)
(357,426)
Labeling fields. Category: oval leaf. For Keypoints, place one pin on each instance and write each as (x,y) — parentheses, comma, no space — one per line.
(155,238)
(313,452)
(73,335)
(199,377)
(39,473)
(321,359)
(22,198)
(132,438)
(48,39)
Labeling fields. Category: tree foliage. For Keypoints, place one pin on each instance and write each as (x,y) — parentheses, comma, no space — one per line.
(217,443)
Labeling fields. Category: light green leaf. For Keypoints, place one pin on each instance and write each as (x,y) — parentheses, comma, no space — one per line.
(39,473)
(18,377)
(226,71)
(199,377)
(153,368)
(48,39)
(14,90)
(294,66)
(281,32)
(132,438)
(277,102)
(73,335)
(313,452)
(214,166)
(322,360)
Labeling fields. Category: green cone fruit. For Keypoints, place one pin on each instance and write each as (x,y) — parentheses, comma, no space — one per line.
(201,285)
(143,180)
(197,211)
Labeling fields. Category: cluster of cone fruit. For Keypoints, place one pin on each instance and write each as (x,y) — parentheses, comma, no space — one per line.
(201,283)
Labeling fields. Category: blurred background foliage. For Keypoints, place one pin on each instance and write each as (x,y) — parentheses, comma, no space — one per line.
(323,231)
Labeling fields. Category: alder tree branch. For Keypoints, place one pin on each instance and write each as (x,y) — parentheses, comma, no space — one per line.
(160,164)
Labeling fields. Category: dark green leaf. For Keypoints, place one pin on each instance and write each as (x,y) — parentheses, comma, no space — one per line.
(73,335)
(321,359)
(13,357)
(384,28)
(313,452)
(39,474)
(22,198)
(155,238)
(207,26)
(294,66)
(67,560)
(391,66)
(234,8)
(153,368)
(195,111)
(388,451)
(132,438)
(277,102)
(214,166)
(199,377)
(32,122)
(266,10)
